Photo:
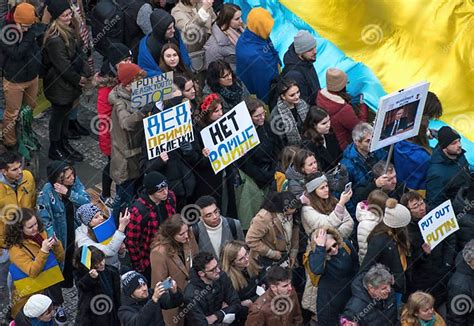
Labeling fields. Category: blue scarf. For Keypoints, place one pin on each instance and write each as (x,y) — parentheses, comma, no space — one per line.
(427,323)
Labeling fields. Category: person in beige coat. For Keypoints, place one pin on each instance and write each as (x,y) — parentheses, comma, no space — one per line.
(171,256)
(369,213)
(273,234)
(194,22)
(324,209)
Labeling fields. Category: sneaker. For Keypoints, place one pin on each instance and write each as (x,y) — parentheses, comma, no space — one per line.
(60,316)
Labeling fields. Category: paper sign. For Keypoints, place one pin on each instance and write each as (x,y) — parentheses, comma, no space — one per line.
(230,137)
(399,116)
(167,130)
(152,90)
(438,224)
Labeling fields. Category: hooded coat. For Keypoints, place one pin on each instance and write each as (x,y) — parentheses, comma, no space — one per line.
(367,222)
(303,72)
(206,299)
(411,163)
(218,46)
(257,63)
(150,46)
(294,181)
(367,311)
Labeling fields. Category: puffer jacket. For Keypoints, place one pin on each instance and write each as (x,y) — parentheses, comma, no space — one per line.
(312,219)
(367,222)
(218,46)
(104,112)
(23,196)
(343,116)
(294,182)
(127,137)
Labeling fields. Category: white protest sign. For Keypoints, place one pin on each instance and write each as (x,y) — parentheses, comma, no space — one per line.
(399,115)
(230,137)
(167,130)
(438,224)
(152,89)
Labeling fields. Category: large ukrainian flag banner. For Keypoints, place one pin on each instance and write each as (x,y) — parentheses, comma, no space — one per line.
(386,45)
(26,285)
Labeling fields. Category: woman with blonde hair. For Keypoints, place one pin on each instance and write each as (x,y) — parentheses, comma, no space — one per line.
(419,311)
(171,257)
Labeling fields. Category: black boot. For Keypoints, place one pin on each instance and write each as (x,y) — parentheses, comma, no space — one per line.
(56,152)
(71,152)
(75,126)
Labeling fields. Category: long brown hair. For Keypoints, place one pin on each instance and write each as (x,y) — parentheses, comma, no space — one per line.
(166,233)
(180,68)
(16,219)
(315,115)
(399,235)
(228,256)
(323,206)
(225,15)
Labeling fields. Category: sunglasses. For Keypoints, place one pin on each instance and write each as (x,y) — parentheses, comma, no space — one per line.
(334,246)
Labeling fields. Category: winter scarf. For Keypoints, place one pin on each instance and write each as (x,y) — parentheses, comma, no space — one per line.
(291,125)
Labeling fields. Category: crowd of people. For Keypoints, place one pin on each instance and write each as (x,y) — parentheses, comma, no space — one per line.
(308,228)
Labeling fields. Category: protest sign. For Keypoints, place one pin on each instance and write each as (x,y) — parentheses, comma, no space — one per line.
(152,89)
(399,116)
(438,224)
(167,130)
(230,137)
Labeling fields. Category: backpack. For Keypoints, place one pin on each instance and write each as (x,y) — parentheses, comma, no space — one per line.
(108,24)
(313,277)
(231,221)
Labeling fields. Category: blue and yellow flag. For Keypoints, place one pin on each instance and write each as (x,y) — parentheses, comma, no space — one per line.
(86,257)
(105,231)
(26,285)
(384,46)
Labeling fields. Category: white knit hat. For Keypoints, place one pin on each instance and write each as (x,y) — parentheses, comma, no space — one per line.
(396,215)
(36,305)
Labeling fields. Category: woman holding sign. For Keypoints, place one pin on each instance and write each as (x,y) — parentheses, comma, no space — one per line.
(32,252)
(90,215)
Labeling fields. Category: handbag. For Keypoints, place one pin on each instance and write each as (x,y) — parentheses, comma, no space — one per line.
(198,61)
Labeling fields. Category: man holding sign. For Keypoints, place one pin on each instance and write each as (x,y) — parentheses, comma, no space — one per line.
(431,266)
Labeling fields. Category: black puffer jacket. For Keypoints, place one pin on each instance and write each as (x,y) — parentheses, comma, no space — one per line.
(22,60)
(460,294)
(65,67)
(366,311)
(260,164)
(303,73)
(464,209)
(203,299)
(147,312)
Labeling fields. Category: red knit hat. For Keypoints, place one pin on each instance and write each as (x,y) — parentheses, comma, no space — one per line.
(127,72)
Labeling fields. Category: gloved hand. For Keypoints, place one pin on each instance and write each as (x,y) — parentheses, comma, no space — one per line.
(186,146)
(147,108)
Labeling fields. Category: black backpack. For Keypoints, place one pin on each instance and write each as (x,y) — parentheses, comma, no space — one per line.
(231,221)
(108,24)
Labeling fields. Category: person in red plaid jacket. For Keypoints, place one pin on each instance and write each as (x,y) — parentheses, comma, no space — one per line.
(155,204)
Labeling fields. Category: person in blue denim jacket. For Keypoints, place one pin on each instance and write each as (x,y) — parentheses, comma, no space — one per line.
(57,203)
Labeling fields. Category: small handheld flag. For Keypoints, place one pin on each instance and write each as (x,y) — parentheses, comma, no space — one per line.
(105,231)
(86,257)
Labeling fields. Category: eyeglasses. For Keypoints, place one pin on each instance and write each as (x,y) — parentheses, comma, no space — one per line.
(211,214)
(334,246)
(214,270)
(417,205)
(259,115)
(227,75)
(244,257)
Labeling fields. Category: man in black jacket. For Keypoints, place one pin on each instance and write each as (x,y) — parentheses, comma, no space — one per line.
(142,306)
(209,297)
(464,207)
(431,268)
(373,300)
(299,65)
